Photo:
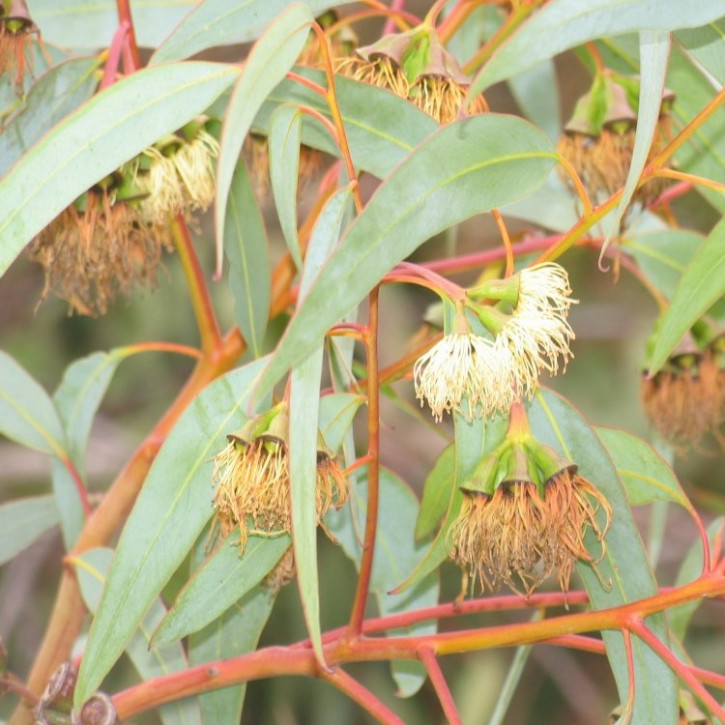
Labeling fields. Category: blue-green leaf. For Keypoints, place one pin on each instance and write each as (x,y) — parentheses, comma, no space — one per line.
(219,22)
(55,94)
(304,417)
(170,512)
(80,24)
(245,245)
(269,61)
(436,493)
(23,521)
(646,477)
(284,165)
(624,564)
(654,54)
(235,632)
(565,24)
(701,285)
(149,659)
(220,581)
(27,414)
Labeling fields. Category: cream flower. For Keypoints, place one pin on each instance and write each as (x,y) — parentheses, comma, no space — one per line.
(466,367)
(537,335)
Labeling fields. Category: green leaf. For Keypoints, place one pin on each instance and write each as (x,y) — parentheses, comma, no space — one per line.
(170,512)
(537,93)
(396,553)
(218,583)
(77,399)
(679,618)
(245,245)
(663,255)
(702,284)
(80,393)
(337,411)
(56,93)
(103,133)
(23,521)
(645,475)
(564,24)
(235,632)
(704,45)
(436,493)
(382,129)
(219,22)
(557,423)
(83,24)
(654,54)
(284,165)
(466,168)
(303,426)
(269,61)
(27,414)
(69,503)
(148,659)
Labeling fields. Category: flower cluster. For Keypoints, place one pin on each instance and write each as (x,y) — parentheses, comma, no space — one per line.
(475,376)
(598,140)
(111,238)
(415,66)
(686,399)
(523,518)
(252,479)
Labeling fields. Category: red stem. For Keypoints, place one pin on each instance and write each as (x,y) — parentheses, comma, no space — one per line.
(390,26)
(123,8)
(362,696)
(78,482)
(428,658)
(679,668)
(114,56)
(373,494)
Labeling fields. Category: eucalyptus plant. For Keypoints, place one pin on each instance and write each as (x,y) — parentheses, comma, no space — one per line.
(340,149)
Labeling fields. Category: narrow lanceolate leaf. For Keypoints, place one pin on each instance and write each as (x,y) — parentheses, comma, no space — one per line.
(465,168)
(80,393)
(702,284)
(268,63)
(23,521)
(173,507)
(654,55)
(646,477)
(567,23)
(148,659)
(396,553)
(624,567)
(245,246)
(96,139)
(537,93)
(223,579)
(80,24)
(436,493)
(219,22)
(27,414)
(304,424)
(235,632)
(55,94)
(284,166)
(77,399)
